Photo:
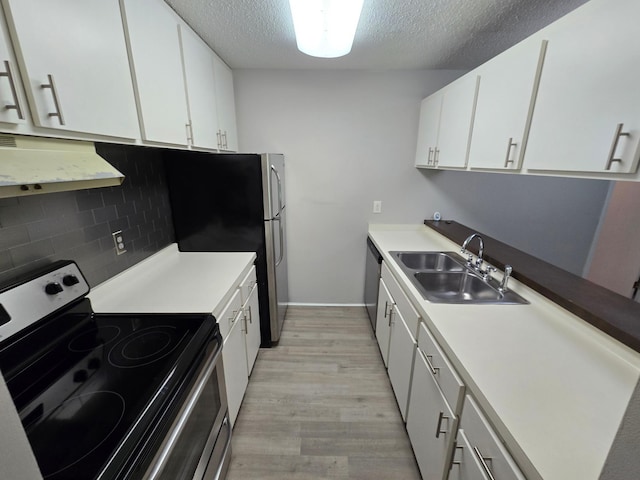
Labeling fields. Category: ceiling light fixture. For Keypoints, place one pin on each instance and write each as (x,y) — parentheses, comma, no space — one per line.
(325,28)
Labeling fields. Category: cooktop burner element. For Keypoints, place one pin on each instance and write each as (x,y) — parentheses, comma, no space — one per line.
(56,459)
(87,341)
(145,346)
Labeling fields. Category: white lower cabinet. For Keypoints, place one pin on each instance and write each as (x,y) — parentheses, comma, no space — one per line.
(479,446)
(234,359)
(251,315)
(402,348)
(383,321)
(466,464)
(434,408)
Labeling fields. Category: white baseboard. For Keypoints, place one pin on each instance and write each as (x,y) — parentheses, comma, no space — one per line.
(292,304)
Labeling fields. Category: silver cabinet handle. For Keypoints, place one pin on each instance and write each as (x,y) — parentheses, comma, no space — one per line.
(391,314)
(511,144)
(12,85)
(250,315)
(189,129)
(428,358)
(386,305)
(439,430)
(219,138)
(483,462)
(429,159)
(436,156)
(56,100)
(225,145)
(614,145)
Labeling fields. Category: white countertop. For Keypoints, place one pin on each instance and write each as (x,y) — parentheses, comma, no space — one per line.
(174,282)
(554,387)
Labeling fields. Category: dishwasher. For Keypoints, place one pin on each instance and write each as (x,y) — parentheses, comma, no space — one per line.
(372,281)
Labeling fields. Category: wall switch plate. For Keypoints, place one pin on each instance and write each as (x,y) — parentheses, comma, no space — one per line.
(118,241)
(377,206)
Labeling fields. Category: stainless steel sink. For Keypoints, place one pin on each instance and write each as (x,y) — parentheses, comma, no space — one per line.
(444,277)
(436,261)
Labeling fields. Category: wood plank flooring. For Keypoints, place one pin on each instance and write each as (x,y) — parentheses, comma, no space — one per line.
(320,405)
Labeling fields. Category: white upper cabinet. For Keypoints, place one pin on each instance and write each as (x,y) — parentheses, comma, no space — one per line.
(446,121)
(11,93)
(506,97)
(74,65)
(226,106)
(587,113)
(201,95)
(428,130)
(152,33)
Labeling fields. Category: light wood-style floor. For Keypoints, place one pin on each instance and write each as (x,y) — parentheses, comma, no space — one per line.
(320,405)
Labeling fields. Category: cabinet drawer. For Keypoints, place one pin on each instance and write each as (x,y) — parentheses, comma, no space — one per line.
(247,285)
(442,371)
(229,314)
(409,314)
(486,446)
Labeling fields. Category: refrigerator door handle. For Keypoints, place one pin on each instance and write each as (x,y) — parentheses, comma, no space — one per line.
(279,220)
(274,170)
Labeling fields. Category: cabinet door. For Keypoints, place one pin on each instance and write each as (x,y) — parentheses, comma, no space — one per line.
(11,97)
(234,358)
(383,321)
(226,102)
(74,65)
(428,130)
(456,122)
(496,462)
(201,94)
(152,34)
(588,99)
(506,96)
(466,465)
(430,423)
(252,327)
(402,348)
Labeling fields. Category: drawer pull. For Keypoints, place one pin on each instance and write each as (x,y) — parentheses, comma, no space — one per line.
(391,314)
(483,462)
(439,430)
(507,160)
(12,85)
(429,358)
(616,137)
(56,100)
(250,316)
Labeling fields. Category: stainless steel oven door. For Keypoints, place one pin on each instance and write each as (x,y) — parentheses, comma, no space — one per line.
(198,445)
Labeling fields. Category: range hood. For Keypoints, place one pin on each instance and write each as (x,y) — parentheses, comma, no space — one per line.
(34,165)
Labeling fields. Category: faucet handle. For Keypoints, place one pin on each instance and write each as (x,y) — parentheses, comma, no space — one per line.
(507,273)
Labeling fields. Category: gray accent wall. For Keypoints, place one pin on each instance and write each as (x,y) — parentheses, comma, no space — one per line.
(349,138)
(39,229)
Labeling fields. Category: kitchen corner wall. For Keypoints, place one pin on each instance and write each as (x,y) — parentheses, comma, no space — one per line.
(349,138)
(36,230)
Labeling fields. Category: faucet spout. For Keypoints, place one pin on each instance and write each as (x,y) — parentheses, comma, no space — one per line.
(480,248)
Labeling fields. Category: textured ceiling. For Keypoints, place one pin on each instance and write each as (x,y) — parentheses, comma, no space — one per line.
(392,34)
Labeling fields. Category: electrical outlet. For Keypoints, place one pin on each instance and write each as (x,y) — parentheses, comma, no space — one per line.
(377,206)
(118,241)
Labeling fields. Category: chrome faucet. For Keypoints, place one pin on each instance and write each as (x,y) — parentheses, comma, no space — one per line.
(478,263)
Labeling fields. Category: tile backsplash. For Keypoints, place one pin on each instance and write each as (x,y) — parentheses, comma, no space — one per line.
(38,229)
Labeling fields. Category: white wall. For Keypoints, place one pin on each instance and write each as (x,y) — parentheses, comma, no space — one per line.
(349,138)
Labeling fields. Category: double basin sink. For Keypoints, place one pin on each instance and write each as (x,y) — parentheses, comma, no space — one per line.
(444,277)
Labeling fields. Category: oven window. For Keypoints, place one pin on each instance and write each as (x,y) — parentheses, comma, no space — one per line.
(185,456)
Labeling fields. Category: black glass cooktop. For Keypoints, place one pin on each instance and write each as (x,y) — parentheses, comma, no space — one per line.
(90,388)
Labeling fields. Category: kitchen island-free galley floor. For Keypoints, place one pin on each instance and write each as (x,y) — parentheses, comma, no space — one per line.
(320,405)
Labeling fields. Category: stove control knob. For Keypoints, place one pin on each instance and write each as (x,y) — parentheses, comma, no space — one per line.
(70,280)
(53,288)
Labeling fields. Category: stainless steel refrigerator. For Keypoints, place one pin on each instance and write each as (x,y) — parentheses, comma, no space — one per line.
(235,203)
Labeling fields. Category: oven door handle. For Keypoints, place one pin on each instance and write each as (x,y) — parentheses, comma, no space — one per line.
(227,445)
(170,443)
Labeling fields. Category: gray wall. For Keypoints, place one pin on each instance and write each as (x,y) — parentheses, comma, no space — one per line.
(39,229)
(349,138)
